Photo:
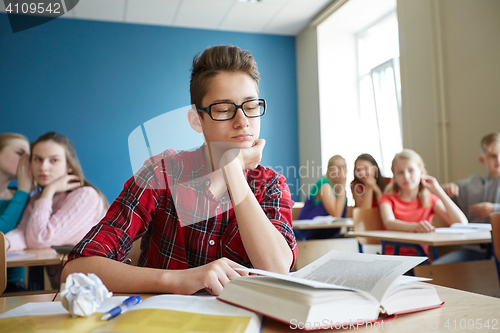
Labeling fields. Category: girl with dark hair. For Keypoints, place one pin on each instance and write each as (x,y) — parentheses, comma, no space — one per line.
(64,206)
(368,184)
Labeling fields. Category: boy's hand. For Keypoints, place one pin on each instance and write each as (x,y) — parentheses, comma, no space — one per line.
(24,174)
(248,158)
(483,209)
(424,227)
(212,277)
(251,157)
(451,189)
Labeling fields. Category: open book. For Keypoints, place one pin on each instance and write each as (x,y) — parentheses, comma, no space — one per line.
(459,228)
(324,220)
(338,288)
(163,313)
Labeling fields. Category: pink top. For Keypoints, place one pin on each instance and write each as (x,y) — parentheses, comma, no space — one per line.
(64,220)
(409,211)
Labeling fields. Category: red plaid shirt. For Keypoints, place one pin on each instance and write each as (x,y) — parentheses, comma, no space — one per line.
(145,208)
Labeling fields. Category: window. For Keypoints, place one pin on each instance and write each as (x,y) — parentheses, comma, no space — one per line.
(358,76)
(379,91)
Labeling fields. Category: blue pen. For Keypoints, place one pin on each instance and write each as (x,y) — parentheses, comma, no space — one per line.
(131,301)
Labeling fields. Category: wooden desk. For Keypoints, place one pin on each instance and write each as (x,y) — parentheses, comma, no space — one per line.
(42,257)
(9,303)
(432,238)
(460,307)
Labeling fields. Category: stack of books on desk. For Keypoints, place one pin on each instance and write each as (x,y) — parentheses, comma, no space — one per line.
(337,289)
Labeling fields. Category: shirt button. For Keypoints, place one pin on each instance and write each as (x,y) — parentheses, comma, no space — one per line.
(211,242)
(207,182)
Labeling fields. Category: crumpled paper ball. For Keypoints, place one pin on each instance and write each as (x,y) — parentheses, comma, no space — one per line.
(81,295)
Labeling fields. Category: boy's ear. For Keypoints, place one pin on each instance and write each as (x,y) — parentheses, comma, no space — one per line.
(482,160)
(194,121)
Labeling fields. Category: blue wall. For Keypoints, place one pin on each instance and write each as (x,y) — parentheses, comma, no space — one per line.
(96,82)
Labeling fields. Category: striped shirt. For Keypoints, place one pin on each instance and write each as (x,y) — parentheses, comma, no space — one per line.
(168,203)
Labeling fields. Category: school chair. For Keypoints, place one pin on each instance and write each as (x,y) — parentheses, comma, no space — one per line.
(3,264)
(495,238)
(310,250)
(366,220)
(296,210)
(349,213)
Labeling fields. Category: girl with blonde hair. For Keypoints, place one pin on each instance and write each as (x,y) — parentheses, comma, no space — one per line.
(413,197)
(14,164)
(327,197)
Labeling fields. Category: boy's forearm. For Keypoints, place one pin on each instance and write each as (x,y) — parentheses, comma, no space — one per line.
(265,245)
(120,277)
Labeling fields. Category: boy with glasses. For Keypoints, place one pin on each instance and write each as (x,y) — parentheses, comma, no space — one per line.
(201,214)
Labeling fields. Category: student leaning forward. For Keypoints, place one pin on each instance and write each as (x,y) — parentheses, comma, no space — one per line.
(201,214)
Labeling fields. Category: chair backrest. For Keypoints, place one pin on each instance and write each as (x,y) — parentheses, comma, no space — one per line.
(3,264)
(365,220)
(349,213)
(439,222)
(495,233)
(296,210)
(495,237)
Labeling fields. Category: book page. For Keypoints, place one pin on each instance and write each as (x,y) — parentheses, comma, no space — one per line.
(163,313)
(371,273)
(12,256)
(171,321)
(179,313)
(324,220)
(459,231)
(484,226)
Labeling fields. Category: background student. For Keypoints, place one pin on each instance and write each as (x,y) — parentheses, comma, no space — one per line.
(478,197)
(412,198)
(14,163)
(327,197)
(368,184)
(251,228)
(64,207)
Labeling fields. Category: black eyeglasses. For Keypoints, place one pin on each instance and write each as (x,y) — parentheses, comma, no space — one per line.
(226,111)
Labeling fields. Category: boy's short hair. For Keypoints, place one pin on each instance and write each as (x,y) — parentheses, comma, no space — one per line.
(214,60)
(489,139)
